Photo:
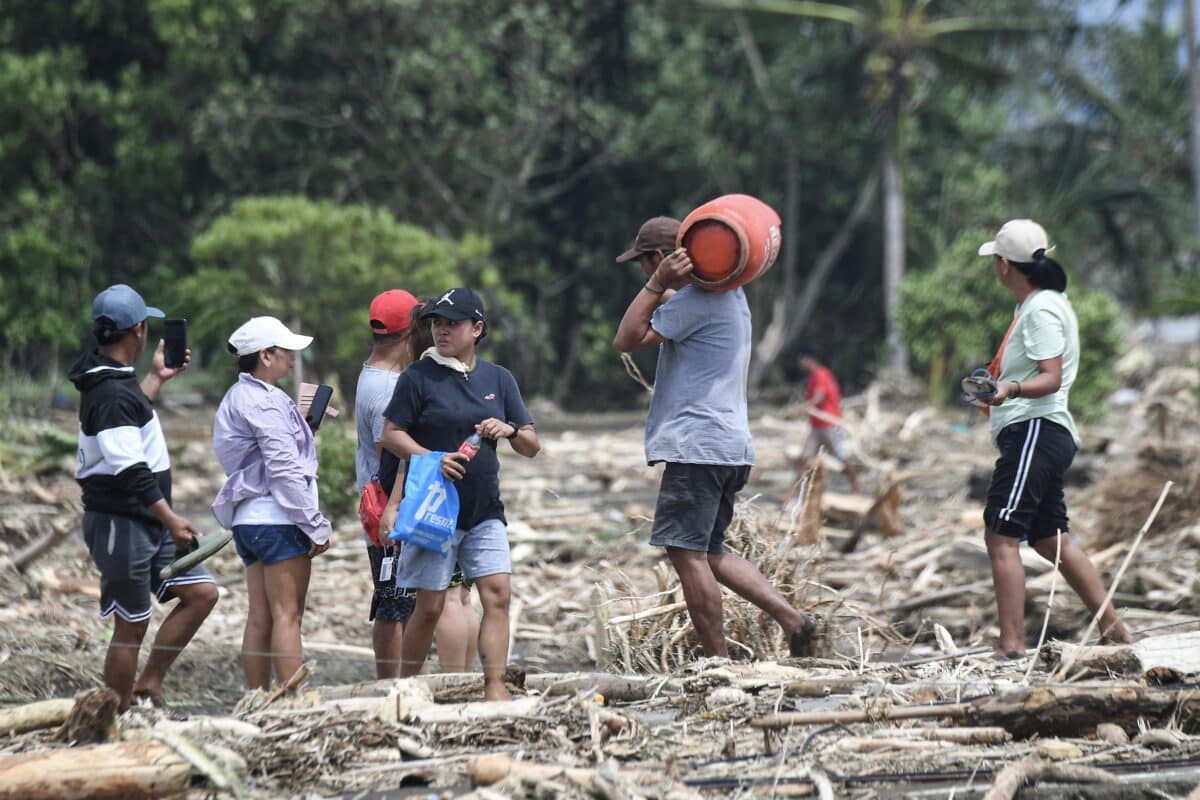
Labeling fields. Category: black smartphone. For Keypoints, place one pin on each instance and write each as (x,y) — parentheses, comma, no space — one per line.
(175,342)
(316,411)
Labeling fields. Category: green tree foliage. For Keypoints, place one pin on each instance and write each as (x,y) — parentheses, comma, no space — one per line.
(953,317)
(315,265)
(531,137)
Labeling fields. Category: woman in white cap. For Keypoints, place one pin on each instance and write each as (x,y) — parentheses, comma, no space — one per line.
(1033,428)
(269,499)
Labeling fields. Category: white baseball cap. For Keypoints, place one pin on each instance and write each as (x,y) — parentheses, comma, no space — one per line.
(1017,240)
(259,333)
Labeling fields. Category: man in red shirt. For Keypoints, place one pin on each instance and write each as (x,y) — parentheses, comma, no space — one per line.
(823,401)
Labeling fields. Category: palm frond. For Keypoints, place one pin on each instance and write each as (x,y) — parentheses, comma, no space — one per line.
(797,8)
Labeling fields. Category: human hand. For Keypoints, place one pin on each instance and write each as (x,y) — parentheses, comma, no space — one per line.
(184,533)
(454,465)
(158,366)
(317,549)
(1004,390)
(387,521)
(492,428)
(672,271)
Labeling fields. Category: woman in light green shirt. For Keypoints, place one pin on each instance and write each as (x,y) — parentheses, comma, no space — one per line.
(1033,429)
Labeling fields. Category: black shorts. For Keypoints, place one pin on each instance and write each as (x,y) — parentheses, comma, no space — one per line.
(390,602)
(1025,499)
(393,603)
(695,505)
(130,553)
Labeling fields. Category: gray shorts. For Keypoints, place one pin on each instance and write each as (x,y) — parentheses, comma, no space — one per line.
(130,553)
(829,438)
(695,505)
(481,551)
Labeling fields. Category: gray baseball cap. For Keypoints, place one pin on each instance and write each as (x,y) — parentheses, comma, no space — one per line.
(124,306)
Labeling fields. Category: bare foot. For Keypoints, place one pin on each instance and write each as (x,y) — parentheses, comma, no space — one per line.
(1002,654)
(496,693)
(1117,634)
(156,700)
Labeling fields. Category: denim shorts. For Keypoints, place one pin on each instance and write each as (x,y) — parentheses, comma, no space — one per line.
(695,505)
(480,552)
(269,544)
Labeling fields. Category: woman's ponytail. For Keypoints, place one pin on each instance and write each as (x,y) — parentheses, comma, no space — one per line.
(1043,272)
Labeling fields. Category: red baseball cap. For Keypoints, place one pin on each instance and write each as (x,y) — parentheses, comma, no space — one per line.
(390,311)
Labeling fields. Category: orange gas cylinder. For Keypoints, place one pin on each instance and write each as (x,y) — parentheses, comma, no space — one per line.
(731,240)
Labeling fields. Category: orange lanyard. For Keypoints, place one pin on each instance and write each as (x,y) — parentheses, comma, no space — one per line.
(994,367)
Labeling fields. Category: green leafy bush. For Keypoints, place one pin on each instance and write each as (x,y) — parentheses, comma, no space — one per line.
(954,316)
(336,445)
(316,265)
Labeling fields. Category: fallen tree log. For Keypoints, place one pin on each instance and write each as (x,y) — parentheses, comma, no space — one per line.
(122,770)
(35,716)
(1178,653)
(615,688)
(490,769)
(1048,711)
(1033,769)
(42,545)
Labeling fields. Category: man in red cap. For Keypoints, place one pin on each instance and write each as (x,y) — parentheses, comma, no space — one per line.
(390,606)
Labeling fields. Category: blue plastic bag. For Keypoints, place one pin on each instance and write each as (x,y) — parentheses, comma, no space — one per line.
(428,513)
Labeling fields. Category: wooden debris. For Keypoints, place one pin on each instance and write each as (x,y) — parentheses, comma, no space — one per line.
(93,718)
(1178,653)
(35,716)
(124,769)
(298,677)
(1033,769)
(1062,711)
(491,769)
(44,544)
(1113,734)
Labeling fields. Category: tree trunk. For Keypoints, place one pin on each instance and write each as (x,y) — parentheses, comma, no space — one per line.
(893,249)
(789,313)
(125,769)
(298,372)
(1189,32)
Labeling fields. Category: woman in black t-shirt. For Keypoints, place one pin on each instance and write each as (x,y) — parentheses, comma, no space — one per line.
(439,401)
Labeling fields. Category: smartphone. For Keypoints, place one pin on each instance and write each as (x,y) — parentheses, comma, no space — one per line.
(316,411)
(175,342)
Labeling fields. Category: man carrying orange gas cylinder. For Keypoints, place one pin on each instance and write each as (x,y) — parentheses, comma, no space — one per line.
(696,312)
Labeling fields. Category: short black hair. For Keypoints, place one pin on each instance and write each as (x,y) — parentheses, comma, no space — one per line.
(248,362)
(107,332)
(389,338)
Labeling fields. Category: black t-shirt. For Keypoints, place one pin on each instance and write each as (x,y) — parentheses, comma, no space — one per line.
(439,408)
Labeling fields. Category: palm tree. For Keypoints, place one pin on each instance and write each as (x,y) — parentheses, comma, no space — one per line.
(903,43)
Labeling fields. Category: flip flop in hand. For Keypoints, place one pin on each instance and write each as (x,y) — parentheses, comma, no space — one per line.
(977,388)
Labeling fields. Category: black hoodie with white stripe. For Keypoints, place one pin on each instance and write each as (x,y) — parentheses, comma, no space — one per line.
(123,463)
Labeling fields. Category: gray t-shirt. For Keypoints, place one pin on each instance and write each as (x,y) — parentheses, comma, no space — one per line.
(375,387)
(698,411)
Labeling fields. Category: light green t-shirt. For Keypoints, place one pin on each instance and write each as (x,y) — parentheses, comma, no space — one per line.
(1046,327)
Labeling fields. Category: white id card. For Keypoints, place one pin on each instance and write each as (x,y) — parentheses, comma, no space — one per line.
(385,568)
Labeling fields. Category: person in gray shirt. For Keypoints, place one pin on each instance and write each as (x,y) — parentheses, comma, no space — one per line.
(397,340)
(698,426)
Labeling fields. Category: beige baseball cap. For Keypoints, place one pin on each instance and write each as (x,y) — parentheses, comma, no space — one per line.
(1017,240)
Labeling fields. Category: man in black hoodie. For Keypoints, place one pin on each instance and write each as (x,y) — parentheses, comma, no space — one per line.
(125,474)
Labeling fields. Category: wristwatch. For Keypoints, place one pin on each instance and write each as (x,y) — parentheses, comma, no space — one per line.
(516,430)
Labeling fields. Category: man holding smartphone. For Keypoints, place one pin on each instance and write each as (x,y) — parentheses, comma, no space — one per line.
(125,475)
